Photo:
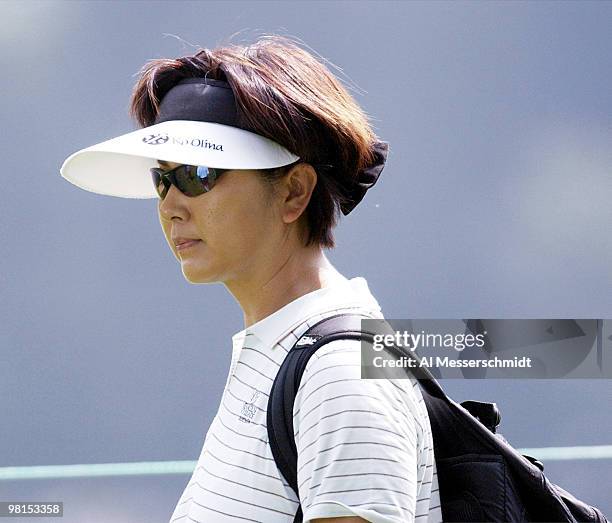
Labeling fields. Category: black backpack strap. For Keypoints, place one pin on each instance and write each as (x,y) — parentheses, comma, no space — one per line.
(287,382)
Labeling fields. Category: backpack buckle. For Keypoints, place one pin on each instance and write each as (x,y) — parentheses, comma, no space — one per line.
(487,413)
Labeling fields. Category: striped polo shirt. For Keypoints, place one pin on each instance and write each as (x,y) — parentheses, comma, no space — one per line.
(364,446)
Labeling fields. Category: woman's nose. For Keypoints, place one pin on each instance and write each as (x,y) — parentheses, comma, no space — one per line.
(173,205)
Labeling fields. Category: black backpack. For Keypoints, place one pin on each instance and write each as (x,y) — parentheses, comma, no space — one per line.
(481,477)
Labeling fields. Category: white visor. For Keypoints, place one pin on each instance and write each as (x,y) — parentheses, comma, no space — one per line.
(120,166)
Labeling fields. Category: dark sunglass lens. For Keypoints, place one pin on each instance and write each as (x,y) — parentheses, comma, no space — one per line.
(158,182)
(188,181)
(191,180)
(207,176)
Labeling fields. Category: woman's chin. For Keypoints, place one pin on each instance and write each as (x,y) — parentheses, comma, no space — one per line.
(198,274)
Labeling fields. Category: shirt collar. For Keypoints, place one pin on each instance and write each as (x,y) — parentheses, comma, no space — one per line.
(342,293)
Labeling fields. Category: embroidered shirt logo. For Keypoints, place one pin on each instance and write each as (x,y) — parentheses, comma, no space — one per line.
(249,409)
(307,340)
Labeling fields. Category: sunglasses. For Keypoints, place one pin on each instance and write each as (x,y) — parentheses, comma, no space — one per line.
(194,180)
(191,180)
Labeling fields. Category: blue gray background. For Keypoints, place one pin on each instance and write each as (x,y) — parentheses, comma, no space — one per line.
(495,203)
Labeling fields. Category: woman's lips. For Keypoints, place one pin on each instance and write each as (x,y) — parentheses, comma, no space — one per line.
(187,245)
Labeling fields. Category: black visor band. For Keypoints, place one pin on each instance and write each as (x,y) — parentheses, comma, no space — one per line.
(202,100)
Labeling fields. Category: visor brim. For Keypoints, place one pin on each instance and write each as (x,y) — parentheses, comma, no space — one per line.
(120,166)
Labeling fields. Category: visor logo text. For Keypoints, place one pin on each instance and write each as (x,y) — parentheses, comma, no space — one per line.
(161,138)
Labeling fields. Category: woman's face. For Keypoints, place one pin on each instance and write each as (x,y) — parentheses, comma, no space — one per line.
(235,223)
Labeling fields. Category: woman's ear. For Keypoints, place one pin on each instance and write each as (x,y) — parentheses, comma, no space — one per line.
(297,187)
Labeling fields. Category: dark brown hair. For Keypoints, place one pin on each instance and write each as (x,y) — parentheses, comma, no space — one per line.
(283,93)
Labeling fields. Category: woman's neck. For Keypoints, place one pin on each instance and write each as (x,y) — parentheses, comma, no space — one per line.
(294,276)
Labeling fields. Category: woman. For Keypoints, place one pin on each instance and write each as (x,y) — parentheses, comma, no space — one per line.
(253,151)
